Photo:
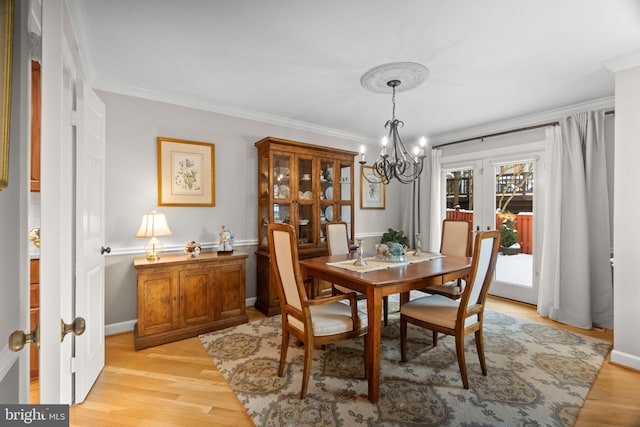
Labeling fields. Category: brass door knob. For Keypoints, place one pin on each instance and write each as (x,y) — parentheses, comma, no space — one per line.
(77,327)
(19,338)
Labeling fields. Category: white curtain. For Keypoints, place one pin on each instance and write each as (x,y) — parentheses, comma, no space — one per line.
(575,278)
(435,198)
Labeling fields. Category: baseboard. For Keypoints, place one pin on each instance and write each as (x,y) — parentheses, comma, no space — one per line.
(118,328)
(625,359)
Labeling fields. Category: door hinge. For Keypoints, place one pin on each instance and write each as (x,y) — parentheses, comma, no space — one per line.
(74,118)
(74,365)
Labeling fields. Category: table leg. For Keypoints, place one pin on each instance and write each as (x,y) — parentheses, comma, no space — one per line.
(374,314)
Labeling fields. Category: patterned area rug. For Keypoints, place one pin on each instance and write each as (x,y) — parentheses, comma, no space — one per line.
(537,376)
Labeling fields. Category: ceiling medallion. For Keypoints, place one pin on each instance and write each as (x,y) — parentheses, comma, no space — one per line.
(411,74)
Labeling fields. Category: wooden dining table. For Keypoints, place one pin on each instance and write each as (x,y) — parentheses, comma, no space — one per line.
(379,283)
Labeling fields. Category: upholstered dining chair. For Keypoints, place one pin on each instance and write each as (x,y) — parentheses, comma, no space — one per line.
(314,322)
(459,317)
(456,240)
(338,244)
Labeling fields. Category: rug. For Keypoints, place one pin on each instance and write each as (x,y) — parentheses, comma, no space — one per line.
(537,376)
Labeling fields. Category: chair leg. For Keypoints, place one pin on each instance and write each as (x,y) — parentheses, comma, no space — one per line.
(283,352)
(480,348)
(461,362)
(403,339)
(308,358)
(364,353)
(385,309)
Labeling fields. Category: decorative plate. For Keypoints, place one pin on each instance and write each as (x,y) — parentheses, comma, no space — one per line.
(328,213)
(329,192)
(283,191)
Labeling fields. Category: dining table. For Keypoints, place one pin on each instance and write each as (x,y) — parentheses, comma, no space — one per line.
(379,279)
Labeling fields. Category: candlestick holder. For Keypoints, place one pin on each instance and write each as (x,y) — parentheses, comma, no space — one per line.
(360,251)
(418,251)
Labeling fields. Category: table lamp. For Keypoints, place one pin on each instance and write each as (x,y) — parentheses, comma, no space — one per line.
(153,225)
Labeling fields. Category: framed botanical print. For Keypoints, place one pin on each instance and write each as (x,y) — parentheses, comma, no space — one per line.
(372,191)
(186,173)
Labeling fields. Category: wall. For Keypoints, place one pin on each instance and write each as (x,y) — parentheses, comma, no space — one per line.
(626,316)
(133,124)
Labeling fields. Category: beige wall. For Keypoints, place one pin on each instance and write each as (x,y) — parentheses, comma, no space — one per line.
(133,124)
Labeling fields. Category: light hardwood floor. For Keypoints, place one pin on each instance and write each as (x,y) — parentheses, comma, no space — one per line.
(177,384)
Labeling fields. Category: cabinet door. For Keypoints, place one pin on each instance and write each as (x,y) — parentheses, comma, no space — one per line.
(306,200)
(230,291)
(157,302)
(196,296)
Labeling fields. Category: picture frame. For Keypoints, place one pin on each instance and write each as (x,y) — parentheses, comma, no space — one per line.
(372,193)
(6,51)
(186,173)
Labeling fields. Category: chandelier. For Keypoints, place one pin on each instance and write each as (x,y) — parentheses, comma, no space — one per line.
(394,160)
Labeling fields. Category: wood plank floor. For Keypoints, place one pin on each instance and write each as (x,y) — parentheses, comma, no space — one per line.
(177,384)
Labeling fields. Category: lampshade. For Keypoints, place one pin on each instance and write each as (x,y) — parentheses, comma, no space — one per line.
(153,225)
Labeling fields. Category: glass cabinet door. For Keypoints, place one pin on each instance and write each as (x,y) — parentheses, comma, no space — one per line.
(345,181)
(281,177)
(306,201)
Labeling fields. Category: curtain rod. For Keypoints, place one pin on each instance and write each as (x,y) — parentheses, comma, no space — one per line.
(506,132)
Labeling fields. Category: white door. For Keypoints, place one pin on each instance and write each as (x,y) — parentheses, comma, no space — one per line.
(479,184)
(90,235)
(14,262)
(62,207)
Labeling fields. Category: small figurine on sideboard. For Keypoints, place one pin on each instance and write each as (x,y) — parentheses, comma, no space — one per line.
(225,246)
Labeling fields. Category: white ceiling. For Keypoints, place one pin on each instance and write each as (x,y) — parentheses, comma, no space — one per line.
(299,62)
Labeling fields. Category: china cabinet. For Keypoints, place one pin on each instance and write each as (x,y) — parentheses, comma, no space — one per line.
(304,185)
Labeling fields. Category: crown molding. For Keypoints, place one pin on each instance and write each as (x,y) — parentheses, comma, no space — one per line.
(521,121)
(205,105)
(623,62)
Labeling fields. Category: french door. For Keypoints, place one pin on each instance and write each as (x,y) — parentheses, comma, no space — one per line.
(501,190)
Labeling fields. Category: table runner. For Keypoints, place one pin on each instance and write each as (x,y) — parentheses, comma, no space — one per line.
(373,264)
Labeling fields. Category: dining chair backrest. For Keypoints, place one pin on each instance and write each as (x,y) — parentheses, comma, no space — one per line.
(483,265)
(456,237)
(337,240)
(284,254)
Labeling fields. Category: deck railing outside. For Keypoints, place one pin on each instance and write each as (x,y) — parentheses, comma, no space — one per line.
(523,220)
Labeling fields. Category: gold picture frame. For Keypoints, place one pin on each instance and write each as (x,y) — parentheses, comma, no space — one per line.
(6,52)
(186,173)
(373,195)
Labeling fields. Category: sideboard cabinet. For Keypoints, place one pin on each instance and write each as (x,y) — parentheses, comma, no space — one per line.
(304,185)
(181,296)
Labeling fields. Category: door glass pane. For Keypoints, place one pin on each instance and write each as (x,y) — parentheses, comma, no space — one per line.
(514,185)
(345,182)
(345,216)
(326,180)
(305,224)
(460,194)
(305,179)
(281,213)
(281,174)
